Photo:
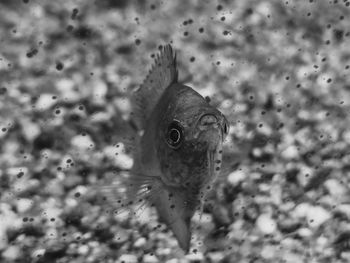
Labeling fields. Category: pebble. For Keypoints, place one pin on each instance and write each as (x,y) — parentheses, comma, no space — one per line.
(121,160)
(346,136)
(317,215)
(150,259)
(236,177)
(66,90)
(83,249)
(141,242)
(163,251)
(23,205)
(124,161)
(195,257)
(205,221)
(266,224)
(301,210)
(268,252)
(82,142)
(30,129)
(305,232)
(335,188)
(290,257)
(128,258)
(11,253)
(291,152)
(216,256)
(45,102)
(121,237)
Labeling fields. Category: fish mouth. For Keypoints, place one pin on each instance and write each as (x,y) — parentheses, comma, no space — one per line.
(208,121)
(212,121)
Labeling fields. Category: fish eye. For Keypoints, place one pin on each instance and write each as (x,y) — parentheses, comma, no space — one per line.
(174,134)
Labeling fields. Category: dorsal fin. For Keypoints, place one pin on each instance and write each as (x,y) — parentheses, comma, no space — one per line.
(162,74)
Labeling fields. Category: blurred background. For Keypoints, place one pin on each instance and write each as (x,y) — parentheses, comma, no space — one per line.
(279,71)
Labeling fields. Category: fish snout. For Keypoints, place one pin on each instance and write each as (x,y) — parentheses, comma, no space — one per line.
(208,121)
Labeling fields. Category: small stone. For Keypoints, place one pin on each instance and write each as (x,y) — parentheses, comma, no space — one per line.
(317,215)
(150,259)
(266,224)
(195,257)
(11,253)
(23,205)
(216,256)
(236,177)
(45,102)
(291,152)
(83,249)
(335,188)
(81,142)
(141,242)
(129,258)
(305,232)
(268,252)
(301,210)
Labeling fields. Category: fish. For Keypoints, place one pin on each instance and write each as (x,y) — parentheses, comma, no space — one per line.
(179,147)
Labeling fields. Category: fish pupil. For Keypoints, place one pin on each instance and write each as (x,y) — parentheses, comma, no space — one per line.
(174,135)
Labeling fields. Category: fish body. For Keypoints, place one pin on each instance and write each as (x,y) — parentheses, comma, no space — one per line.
(179,153)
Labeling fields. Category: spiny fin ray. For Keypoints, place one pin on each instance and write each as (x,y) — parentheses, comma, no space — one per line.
(162,74)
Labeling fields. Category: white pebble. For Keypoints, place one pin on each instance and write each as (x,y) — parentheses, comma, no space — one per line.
(266,224)
(150,259)
(268,252)
(216,256)
(11,253)
(236,177)
(140,242)
(304,232)
(83,250)
(30,129)
(317,215)
(23,205)
(128,258)
(301,210)
(124,161)
(335,188)
(45,102)
(291,152)
(82,142)
(290,257)
(195,256)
